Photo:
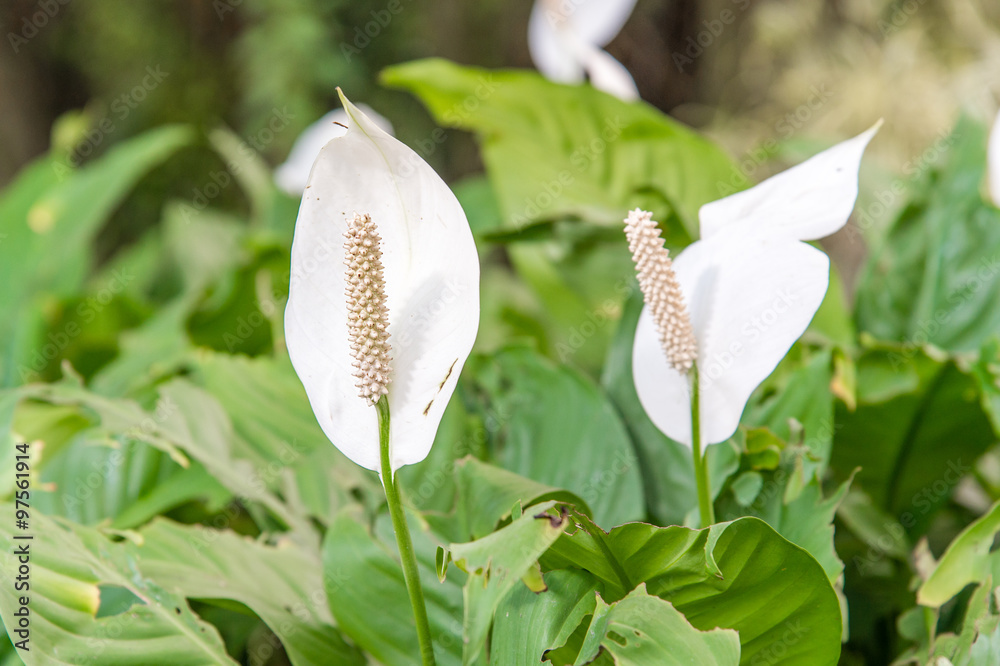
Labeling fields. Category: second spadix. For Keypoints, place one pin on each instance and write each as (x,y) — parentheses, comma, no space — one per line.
(746,291)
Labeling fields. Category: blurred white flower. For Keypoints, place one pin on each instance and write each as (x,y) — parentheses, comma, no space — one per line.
(375,193)
(993,161)
(292,175)
(566,38)
(750,285)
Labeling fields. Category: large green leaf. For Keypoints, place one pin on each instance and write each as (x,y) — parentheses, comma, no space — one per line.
(558,428)
(918,428)
(969,559)
(274,429)
(495,565)
(975,641)
(740,575)
(642,629)
(50,218)
(528,623)
(73,573)
(556,151)
(367,593)
(936,276)
(799,391)
(283,584)
(187,421)
(987,374)
(486,495)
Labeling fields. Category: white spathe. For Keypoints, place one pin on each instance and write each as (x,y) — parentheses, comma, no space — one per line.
(751,286)
(293,174)
(993,162)
(566,37)
(431,272)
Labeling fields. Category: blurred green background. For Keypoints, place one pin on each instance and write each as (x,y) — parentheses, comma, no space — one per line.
(782,76)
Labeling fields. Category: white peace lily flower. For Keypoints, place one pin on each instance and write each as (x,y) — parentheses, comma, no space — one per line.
(292,175)
(400,317)
(993,161)
(566,37)
(745,292)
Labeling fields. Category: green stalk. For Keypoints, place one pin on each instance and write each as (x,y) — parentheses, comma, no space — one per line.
(407,556)
(705,507)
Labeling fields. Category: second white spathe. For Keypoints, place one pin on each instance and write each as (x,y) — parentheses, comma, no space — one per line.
(993,162)
(566,38)
(751,286)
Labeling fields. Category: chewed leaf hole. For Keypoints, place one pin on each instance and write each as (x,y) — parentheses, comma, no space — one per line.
(115,600)
(617,638)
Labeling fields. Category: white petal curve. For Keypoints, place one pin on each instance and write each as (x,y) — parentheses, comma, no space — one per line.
(550,48)
(993,161)
(750,298)
(594,22)
(808,201)
(292,175)
(431,271)
(663,391)
(606,73)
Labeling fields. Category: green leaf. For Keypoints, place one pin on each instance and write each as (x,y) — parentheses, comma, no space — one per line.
(740,575)
(801,394)
(987,374)
(495,565)
(642,629)
(486,495)
(50,223)
(528,623)
(918,429)
(72,570)
(554,151)
(834,321)
(282,584)
(936,277)
(274,429)
(559,429)
(187,421)
(367,593)
(968,559)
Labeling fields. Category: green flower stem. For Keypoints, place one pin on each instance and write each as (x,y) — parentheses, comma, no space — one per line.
(406,553)
(700,464)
